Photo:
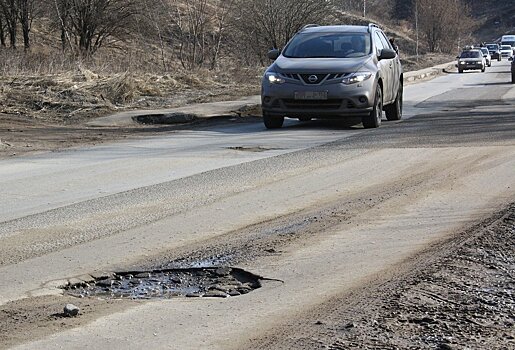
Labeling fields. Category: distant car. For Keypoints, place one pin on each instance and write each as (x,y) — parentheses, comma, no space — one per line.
(471,59)
(506,51)
(487,56)
(494,50)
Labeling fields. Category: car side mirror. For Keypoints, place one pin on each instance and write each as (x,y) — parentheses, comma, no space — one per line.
(458,57)
(387,54)
(274,54)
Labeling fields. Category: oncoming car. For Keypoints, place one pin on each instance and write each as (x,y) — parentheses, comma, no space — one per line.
(471,59)
(495,51)
(486,55)
(506,51)
(334,72)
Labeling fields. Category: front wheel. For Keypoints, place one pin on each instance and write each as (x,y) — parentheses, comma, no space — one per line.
(483,69)
(373,119)
(272,122)
(394,111)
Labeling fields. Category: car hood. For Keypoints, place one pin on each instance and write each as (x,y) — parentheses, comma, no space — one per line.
(470,59)
(319,65)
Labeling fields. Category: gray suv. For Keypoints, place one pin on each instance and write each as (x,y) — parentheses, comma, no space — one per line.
(333,72)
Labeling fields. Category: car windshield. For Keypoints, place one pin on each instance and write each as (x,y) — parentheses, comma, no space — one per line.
(492,47)
(470,54)
(506,47)
(485,51)
(328,45)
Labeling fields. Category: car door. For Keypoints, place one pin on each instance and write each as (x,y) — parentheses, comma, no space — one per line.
(386,68)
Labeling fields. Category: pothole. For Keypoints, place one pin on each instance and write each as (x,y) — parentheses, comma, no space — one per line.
(213,282)
(171,118)
(251,148)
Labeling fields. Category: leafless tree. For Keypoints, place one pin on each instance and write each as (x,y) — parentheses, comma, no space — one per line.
(265,24)
(441,22)
(91,23)
(198,29)
(10,14)
(27,10)
(2,30)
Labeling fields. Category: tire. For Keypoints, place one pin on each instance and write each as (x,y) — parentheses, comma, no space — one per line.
(460,71)
(490,64)
(373,119)
(272,122)
(394,111)
(499,59)
(513,77)
(483,69)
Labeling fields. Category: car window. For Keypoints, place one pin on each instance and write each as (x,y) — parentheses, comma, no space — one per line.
(485,51)
(386,42)
(328,45)
(470,54)
(506,47)
(379,43)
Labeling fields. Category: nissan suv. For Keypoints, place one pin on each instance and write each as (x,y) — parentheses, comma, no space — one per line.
(334,72)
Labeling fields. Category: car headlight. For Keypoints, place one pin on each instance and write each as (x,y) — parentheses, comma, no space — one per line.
(274,78)
(357,77)
(479,62)
(462,62)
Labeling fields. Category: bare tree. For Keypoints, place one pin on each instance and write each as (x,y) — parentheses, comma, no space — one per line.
(26,12)
(2,30)
(265,24)
(10,14)
(90,23)
(441,22)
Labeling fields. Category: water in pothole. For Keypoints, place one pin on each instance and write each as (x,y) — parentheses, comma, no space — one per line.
(215,282)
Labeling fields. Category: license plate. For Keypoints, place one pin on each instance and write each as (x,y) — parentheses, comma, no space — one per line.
(311,95)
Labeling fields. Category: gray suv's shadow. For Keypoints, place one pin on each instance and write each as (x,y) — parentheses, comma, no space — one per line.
(345,123)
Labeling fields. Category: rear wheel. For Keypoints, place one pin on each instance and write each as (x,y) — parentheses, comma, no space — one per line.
(394,111)
(272,122)
(373,119)
(460,70)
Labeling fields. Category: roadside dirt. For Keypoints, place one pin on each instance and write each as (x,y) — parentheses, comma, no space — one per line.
(459,294)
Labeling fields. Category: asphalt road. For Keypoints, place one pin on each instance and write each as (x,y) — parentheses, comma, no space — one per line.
(360,202)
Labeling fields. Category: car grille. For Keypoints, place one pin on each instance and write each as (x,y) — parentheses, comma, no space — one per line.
(319,77)
(316,104)
(308,78)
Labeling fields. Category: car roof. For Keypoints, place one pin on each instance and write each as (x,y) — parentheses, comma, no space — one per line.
(335,29)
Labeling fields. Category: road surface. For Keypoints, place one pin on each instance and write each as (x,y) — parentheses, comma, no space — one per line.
(320,209)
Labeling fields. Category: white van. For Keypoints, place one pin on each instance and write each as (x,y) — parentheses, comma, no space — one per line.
(509,40)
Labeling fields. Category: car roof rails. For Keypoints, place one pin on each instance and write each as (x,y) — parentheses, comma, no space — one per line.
(312,25)
(372,25)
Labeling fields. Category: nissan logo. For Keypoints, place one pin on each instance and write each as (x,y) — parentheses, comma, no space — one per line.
(313,78)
